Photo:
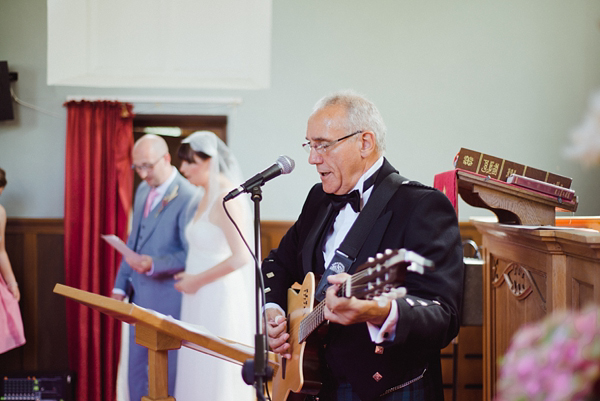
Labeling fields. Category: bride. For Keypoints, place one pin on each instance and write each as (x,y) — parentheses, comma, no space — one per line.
(217,283)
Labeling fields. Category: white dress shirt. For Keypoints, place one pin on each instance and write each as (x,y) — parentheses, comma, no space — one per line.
(343,222)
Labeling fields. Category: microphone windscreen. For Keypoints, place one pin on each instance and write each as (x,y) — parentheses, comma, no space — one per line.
(286,163)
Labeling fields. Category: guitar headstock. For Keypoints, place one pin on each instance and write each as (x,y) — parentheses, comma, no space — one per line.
(385,274)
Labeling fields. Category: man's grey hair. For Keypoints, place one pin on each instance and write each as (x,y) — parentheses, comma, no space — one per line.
(362,114)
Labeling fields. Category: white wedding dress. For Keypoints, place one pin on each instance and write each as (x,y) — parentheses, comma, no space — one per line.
(224,307)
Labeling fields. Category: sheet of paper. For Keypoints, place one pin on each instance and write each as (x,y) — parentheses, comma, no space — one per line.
(120,246)
(206,333)
(557,228)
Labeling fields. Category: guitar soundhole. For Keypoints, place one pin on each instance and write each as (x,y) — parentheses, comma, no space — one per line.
(283,365)
(284,360)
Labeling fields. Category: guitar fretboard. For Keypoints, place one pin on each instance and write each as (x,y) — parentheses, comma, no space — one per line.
(372,279)
(312,321)
(317,317)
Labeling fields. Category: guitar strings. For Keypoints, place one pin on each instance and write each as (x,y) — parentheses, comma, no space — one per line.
(316,317)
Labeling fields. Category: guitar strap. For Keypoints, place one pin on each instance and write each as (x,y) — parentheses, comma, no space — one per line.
(346,254)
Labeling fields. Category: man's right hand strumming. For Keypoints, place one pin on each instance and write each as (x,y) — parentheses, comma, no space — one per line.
(277,333)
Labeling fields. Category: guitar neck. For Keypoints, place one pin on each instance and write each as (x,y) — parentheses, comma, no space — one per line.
(315,318)
(311,322)
(378,276)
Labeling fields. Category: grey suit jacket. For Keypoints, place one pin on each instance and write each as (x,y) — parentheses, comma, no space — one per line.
(161,236)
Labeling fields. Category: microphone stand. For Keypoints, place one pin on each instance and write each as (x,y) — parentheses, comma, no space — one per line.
(262,372)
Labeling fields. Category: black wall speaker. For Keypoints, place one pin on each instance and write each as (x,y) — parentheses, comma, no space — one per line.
(6,103)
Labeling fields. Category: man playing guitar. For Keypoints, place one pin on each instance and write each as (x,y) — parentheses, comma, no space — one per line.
(372,350)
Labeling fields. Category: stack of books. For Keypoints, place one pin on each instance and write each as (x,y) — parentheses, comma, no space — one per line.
(515,174)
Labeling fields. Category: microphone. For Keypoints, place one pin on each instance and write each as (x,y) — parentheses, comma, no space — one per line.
(283,165)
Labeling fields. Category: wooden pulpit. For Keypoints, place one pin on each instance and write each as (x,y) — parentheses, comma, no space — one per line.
(159,334)
(510,203)
(531,266)
(529,272)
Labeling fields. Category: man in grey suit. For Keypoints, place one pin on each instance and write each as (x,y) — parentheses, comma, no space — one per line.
(160,214)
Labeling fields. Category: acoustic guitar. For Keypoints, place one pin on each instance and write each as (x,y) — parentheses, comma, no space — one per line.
(380,279)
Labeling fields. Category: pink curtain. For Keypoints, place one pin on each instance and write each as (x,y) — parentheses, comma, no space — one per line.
(98,193)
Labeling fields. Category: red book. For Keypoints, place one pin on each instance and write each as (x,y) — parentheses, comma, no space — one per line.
(541,186)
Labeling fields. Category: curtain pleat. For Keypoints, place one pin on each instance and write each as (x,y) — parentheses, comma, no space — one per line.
(98,193)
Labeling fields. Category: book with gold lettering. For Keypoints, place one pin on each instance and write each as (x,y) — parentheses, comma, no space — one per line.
(501,169)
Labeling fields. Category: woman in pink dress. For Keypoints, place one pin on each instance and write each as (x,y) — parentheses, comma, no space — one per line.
(11,325)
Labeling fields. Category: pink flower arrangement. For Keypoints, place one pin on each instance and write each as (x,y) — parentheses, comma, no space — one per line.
(557,358)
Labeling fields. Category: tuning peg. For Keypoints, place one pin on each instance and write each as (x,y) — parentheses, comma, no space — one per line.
(416,267)
(399,292)
(383,299)
(395,293)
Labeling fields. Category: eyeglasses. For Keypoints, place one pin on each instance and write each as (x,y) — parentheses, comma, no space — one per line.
(146,166)
(322,147)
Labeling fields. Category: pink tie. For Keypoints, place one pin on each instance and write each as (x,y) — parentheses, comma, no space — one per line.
(151,196)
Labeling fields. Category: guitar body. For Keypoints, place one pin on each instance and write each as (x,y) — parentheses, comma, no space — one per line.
(377,279)
(299,376)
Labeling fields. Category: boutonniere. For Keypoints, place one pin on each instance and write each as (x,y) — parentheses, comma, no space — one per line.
(168,198)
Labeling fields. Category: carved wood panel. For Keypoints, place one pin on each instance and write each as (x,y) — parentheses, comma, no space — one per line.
(528,274)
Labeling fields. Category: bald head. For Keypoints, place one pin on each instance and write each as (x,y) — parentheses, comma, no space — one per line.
(152,160)
(155,142)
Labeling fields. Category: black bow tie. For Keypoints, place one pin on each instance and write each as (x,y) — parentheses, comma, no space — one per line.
(339,201)
(353,198)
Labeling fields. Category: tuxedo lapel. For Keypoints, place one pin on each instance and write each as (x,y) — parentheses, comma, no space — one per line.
(373,242)
(312,239)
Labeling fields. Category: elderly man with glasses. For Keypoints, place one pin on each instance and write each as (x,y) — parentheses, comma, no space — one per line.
(157,236)
(374,350)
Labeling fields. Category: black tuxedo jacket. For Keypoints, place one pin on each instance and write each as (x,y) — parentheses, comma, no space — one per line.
(417,218)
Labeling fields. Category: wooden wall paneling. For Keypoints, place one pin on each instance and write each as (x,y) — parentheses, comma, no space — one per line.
(271,233)
(35,248)
(52,344)
(31,301)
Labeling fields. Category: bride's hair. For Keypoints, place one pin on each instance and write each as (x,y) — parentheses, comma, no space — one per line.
(2,178)
(186,153)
